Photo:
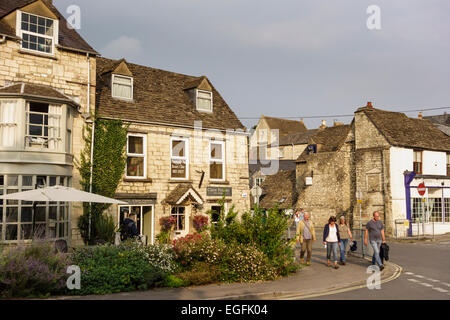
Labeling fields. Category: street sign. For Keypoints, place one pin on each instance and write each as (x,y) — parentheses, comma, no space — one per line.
(421,189)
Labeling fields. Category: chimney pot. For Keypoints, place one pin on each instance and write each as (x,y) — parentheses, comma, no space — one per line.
(369,104)
(420,116)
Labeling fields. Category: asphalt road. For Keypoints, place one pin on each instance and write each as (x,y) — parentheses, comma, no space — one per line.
(425,275)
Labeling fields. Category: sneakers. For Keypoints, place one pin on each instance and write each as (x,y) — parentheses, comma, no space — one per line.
(308,263)
(302,261)
(336,266)
(381,268)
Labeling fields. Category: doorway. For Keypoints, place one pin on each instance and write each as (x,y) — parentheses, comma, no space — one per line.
(144,219)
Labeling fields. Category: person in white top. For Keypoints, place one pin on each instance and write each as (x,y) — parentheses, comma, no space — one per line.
(331,239)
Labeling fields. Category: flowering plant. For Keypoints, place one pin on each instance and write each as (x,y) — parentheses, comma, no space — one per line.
(200,223)
(167,223)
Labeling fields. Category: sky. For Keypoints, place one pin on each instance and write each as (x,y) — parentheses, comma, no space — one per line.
(296,59)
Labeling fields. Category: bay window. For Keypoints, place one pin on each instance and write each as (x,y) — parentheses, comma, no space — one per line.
(136,166)
(178,214)
(43,125)
(217,160)
(179,164)
(8,125)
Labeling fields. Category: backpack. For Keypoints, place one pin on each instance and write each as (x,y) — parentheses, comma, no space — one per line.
(125,231)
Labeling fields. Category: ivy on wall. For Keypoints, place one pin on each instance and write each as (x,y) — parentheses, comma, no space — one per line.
(109,160)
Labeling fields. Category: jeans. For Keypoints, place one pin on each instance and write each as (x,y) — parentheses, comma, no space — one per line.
(343,248)
(376,244)
(332,247)
(306,248)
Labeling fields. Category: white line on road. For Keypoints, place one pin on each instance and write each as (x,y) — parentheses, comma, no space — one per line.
(425,284)
(409,273)
(440,289)
(413,280)
(446,284)
(419,276)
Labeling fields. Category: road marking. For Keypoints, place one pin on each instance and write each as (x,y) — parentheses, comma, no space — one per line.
(413,280)
(419,276)
(445,283)
(409,273)
(425,284)
(440,289)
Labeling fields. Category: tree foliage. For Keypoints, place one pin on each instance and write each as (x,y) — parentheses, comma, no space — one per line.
(109,160)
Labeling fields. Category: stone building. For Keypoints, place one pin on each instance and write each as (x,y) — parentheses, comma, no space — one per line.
(324,174)
(185,147)
(279,190)
(47,76)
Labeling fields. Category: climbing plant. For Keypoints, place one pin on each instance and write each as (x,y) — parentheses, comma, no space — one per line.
(109,160)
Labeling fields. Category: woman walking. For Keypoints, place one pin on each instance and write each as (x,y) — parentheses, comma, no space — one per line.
(331,239)
(345,234)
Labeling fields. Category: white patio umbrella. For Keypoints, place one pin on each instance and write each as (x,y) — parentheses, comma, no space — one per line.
(59,193)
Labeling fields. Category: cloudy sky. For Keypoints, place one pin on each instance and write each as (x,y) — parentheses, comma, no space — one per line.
(297,58)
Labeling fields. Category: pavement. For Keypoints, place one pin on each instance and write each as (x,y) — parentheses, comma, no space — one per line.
(309,282)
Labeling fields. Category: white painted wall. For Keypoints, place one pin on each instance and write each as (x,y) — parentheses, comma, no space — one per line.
(434,162)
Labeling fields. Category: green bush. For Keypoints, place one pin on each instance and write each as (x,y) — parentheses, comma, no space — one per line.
(172,281)
(105,229)
(200,273)
(109,269)
(197,247)
(32,271)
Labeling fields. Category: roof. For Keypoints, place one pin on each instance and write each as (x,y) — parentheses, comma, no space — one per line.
(180,193)
(279,189)
(36,91)
(440,119)
(329,139)
(159,97)
(285,126)
(297,137)
(400,130)
(68,38)
(282,165)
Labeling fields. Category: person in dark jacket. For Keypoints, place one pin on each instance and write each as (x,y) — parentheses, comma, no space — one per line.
(331,239)
(129,229)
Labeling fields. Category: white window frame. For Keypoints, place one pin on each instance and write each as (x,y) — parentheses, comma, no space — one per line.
(186,156)
(113,77)
(20,32)
(196,100)
(222,160)
(178,214)
(137,155)
(60,128)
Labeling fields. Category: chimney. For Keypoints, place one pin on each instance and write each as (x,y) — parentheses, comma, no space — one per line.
(369,104)
(420,116)
(323,125)
(336,123)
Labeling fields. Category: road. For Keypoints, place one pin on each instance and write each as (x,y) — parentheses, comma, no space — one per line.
(425,274)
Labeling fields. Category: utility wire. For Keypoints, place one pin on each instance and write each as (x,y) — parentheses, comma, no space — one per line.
(344,115)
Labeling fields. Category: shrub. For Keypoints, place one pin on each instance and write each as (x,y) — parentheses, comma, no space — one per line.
(105,229)
(167,223)
(200,223)
(163,237)
(32,271)
(244,263)
(172,281)
(200,273)
(197,248)
(109,269)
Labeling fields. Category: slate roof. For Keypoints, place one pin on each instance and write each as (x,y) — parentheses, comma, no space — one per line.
(178,192)
(279,189)
(68,38)
(35,90)
(400,130)
(159,97)
(282,165)
(285,126)
(297,137)
(329,139)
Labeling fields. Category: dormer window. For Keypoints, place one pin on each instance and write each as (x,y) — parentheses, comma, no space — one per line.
(204,101)
(37,33)
(122,87)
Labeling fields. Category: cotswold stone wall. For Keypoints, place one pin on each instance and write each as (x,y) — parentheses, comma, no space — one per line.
(331,191)
(66,71)
(158,178)
(372,159)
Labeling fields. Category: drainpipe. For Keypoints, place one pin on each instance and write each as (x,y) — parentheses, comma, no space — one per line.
(408,178)
(92,139)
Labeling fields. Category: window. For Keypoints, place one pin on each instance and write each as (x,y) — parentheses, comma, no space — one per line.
(178,214)
(217,160)
(7,123)
(38,33)
(215,213)
(136,156)
(447,210)
(179,164)
(416,210)
(122,87)
(280,152)
(43,124)
(259,181)
(435,209)
(16,223)
(204,100)
(448,164)
(417,162)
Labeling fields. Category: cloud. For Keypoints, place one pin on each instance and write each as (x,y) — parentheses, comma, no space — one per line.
(123,47)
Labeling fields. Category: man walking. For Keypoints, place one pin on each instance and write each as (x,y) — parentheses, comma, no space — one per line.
(306,235)
(375,232)
(128,228)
